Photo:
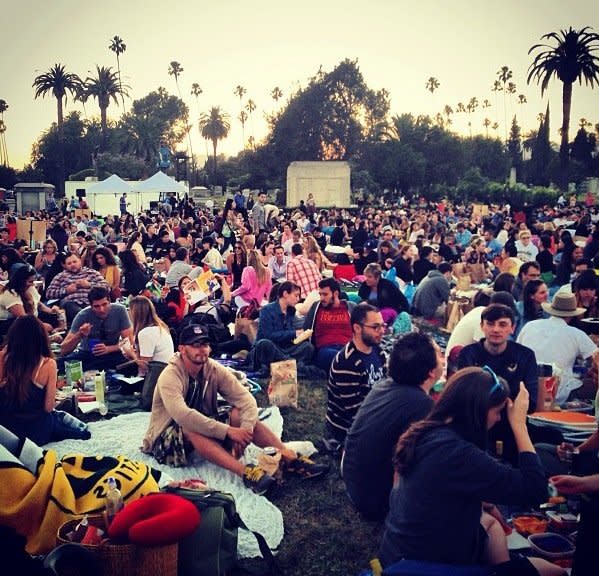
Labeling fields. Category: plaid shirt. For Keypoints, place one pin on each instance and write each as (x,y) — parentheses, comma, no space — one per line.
(304,273)
(58,287)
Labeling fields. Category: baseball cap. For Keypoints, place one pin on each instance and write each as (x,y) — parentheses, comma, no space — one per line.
(193,334)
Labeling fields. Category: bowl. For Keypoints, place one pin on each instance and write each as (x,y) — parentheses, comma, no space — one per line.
(551,545)
(528,524)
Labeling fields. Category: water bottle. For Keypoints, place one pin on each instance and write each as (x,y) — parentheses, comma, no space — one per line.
(100,390)
(114,500)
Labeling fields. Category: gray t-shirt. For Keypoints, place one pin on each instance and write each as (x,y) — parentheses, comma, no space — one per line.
(106,330)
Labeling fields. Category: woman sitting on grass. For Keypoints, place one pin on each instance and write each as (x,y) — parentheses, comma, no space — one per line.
(436,508)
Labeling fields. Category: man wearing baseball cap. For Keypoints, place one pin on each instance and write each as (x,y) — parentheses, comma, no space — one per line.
(185,416)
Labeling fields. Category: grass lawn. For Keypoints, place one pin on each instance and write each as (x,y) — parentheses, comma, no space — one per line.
(323,533)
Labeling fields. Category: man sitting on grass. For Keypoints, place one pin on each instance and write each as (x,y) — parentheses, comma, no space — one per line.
(185,417)
(415,365)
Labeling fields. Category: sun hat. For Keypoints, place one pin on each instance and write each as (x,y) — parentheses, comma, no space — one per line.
(563,305)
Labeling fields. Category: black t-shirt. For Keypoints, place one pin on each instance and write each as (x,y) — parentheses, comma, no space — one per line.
(386,413)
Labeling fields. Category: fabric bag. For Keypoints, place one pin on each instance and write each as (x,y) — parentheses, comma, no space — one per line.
(478,272)
(251,311)
(212,549)
(455,313)
(283,387)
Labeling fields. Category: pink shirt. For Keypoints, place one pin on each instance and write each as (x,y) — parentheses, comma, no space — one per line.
(250,289)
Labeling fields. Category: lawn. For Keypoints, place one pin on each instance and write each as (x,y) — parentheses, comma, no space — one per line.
(323,533)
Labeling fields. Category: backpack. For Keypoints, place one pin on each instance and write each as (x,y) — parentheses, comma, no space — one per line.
(217,331)
(212,549)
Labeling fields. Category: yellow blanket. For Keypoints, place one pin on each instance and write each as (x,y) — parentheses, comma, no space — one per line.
(38,493)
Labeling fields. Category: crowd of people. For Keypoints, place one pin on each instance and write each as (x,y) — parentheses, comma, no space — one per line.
(352,295)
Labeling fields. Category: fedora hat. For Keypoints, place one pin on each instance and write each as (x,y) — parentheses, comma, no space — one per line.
(563,305)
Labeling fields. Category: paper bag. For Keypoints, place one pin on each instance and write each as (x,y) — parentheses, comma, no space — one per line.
(283,387)
(247,327)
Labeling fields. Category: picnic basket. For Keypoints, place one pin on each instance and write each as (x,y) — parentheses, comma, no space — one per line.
(126,559)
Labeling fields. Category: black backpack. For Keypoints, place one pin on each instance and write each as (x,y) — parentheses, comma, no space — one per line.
(217,331)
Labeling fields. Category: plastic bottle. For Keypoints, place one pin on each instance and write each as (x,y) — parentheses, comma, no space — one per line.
(114,500)
(100,389)
(78,534)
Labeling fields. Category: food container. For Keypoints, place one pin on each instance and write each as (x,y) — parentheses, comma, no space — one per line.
(551,546)
(528,524)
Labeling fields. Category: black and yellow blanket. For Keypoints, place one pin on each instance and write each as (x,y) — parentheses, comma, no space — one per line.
(39,492)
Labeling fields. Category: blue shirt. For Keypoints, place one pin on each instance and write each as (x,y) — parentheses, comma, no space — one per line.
(275,325)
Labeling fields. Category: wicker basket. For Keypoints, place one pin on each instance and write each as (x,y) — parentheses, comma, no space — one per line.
(126,559)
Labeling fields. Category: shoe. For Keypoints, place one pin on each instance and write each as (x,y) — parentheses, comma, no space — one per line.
(241,355)
(306,468)
(257,479)
(332,445)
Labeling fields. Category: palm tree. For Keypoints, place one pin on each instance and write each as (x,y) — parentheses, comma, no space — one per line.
(471,108)
(175,69)
(243,116)
(504,74)
(432,84)
(3,149)
(486,124)
(196,91)
(240,92)
(118,47)
(58,82)
(214,126)
(250,107)
(448,111)
(104,87)
(571,59)
(276,94)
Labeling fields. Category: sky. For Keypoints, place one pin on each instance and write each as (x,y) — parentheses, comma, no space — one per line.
(261,44)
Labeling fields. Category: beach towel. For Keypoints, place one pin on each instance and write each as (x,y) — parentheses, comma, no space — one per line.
(40,491)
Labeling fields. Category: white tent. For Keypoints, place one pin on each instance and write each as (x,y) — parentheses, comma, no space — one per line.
(160,182)
(112,185)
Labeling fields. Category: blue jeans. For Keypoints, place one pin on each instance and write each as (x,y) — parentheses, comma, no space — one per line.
(325,356)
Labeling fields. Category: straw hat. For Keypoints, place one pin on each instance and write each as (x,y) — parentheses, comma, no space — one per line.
(563,305)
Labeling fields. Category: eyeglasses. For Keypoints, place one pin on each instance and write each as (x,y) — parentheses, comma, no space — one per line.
(496,383)
(374,326)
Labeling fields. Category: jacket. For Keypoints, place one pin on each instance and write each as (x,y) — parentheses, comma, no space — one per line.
(276,326)
(388,296)
(169,402)
(430,294)
(310,318)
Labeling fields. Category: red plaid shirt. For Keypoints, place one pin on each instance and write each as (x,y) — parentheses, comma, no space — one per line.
(304,273)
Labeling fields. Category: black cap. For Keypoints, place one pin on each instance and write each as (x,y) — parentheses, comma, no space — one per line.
(193,334)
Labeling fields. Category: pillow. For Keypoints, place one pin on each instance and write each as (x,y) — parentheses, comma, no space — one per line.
(155,520)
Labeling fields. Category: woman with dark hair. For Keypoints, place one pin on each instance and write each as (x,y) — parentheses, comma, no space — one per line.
(134,275)
(20,298)
(585,288)
(56,268)
(178,302)
(567,264)
(9,257)
(446,477)
(45,257)
(236,262)
(403,264)
(28,377)
(135,245)
(504,282)
(545,260)
(534,293)
(104,262)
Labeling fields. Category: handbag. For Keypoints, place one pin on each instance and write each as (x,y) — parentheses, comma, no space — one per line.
(251,311)
(212,548)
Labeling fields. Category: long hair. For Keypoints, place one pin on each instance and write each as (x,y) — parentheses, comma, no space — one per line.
(18,285)
(129,261)
(134,237)
(143,314)
(255,261)
(27,344)
(463,406)
(531,309)
(108,256)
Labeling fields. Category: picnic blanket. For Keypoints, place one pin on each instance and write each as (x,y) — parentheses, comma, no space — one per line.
(39,490)
(123,435)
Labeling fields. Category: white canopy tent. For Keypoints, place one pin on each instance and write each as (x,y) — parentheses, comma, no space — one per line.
(160,182)
(99,194)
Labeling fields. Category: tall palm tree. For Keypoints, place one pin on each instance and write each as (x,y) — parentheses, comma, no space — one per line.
(504,74)
(175,69)
(471,108)
(276,94)
(196,91)
(572,58)
(250,107)
(486,124)
(3,149)
(432,84)
(104,86)
(448,111)
(240,92)
(243,118)
(214,126)
(58,82)
(118,47)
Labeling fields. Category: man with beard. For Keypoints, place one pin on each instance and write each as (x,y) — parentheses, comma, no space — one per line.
(357,367)
(185,417)
(329,320)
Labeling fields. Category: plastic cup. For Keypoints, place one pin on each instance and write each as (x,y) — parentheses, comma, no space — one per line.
(91,342)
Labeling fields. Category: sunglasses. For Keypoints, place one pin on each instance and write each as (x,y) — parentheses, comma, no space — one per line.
(497,385)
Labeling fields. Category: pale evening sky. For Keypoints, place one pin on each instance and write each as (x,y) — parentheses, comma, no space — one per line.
(399,44)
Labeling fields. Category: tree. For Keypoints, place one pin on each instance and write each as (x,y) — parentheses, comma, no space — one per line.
(572,58)
(240,92)
(175,69)
(504,74)
(214,126)
(250,107)
(432,84)
(58,82)
(541,154)
(3,149)
(471,108)
(118,47)
(104,87)
(514,144)
(276,94)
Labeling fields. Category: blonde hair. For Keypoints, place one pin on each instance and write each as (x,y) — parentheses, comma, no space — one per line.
(255,260)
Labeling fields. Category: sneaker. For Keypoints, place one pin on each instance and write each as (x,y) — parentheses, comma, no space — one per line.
(257,479)
(306,468)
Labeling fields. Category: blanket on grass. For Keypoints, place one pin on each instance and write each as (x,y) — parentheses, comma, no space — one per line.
(39,490)
(123,435)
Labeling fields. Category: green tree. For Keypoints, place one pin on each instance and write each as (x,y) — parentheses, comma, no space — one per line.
(541,154)
(571,58)
(214,126)
(104,86)
(514,145)
(118,47)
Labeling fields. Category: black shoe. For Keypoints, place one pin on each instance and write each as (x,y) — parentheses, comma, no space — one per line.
(257,479)
(306,468)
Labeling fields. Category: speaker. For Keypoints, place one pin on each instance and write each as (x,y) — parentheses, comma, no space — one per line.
(80,193)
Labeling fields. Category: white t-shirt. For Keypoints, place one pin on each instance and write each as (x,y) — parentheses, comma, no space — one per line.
(467,330)
(155,343)
(8,299)
(526,253)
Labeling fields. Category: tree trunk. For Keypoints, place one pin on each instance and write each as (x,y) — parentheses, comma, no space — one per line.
(564,152)
(104,124)
(61,167)
(214,143)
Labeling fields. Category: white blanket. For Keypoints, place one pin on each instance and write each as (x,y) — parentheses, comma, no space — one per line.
(123,435)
